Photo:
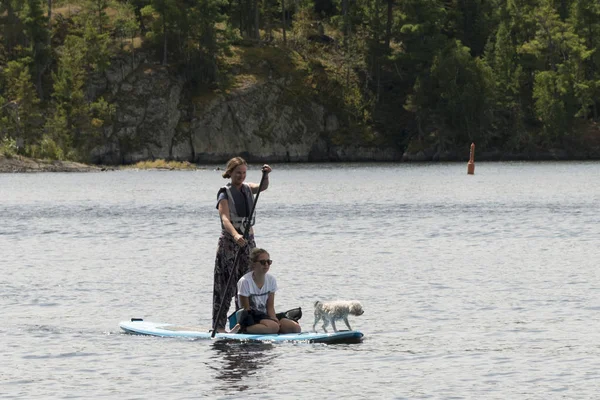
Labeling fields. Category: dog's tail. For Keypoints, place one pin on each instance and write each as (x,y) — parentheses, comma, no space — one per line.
(317,303)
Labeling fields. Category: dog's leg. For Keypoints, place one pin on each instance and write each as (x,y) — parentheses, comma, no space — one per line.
(347,323)
(333,324)
(315,324)
(325,323)
(318,315)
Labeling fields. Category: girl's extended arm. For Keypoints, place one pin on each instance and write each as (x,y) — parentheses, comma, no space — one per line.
(254,186)
(271,306)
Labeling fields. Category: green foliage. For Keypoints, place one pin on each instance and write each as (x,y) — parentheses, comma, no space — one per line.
(302,25)
(509,80)
(47,149)
(97,55)
(94,14)
(203,47)
(57,142)
(36,31)
(69,119)
(471,23)
(506,73)
(505,63)
(458,91)
(8,147)
(421,33)
(101,112)
(126,24)
(69,78)
(21,112)
(562,90)
(549,92)
(585,19)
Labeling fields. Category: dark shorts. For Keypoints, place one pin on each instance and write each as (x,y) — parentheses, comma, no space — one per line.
(254,317)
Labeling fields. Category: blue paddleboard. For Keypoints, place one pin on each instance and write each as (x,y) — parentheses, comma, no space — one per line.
(141,327)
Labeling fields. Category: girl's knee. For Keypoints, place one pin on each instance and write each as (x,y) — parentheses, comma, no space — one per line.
(272,326)
(289,326)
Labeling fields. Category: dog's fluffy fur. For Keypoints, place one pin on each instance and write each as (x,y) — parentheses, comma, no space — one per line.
(335,310)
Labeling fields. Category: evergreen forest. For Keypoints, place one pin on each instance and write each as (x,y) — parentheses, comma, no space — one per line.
(510,75)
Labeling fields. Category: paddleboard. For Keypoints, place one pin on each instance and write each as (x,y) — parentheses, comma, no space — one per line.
(140,327)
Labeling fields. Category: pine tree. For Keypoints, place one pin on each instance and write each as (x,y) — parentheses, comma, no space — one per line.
(22,115)
(169,13)
(203,47)
(561,90)
(66,125)
(509,80)
(585,19)
(422,36)
(36,28)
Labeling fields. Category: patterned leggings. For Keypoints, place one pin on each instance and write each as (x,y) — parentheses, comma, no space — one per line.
(226,252)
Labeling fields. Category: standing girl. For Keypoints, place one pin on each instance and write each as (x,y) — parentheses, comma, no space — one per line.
(234,202)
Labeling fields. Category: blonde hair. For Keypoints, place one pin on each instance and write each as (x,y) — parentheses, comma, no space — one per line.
(233,164)
(256,252)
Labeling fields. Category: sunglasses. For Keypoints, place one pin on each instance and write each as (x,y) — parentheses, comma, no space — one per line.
(266,262)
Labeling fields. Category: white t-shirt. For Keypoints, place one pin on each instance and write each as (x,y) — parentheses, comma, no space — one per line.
(258,297)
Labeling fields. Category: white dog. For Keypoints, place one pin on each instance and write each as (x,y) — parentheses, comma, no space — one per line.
(336,310)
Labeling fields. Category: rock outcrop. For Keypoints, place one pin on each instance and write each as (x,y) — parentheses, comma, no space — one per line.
(23,164)
(262,121)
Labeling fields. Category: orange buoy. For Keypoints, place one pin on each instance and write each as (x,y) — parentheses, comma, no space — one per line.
(471,163)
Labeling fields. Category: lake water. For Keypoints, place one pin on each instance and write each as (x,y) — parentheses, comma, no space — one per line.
(484,286)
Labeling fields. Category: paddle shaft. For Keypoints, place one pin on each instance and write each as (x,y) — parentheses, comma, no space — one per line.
(245,233)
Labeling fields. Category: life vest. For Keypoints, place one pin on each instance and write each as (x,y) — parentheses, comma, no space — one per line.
(236,220)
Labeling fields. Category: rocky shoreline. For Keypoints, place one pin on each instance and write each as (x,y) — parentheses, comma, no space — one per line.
(20,164)
(24,164)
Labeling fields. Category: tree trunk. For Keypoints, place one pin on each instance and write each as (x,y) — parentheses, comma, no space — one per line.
(100,25)
(267,21)
(345,14)
(388,25)
(248,24)
(256,19)
(138,14)
(348,74)
(283,20)
(42,70)
(164,41)
(11,20)
(241,5)
(49,20)
(132,52)
(378,95)
(563,10)
(39,83)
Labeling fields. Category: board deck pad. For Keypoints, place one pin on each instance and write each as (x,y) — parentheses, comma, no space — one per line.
(141,327)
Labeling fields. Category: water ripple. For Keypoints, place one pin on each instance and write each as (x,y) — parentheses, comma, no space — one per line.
(474,287)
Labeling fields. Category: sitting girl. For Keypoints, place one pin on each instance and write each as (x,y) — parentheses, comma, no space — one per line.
(256,293)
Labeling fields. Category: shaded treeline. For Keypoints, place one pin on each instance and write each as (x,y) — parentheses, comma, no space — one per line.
(509,74)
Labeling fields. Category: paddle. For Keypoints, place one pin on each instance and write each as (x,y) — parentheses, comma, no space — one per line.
(245,232)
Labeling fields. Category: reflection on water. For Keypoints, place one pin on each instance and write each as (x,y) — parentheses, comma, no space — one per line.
(236,361)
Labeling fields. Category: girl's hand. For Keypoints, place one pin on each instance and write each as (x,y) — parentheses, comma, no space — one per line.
(239,239)
(266,168)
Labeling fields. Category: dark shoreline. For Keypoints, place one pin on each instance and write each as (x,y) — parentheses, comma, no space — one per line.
(20,164)
(548,155)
